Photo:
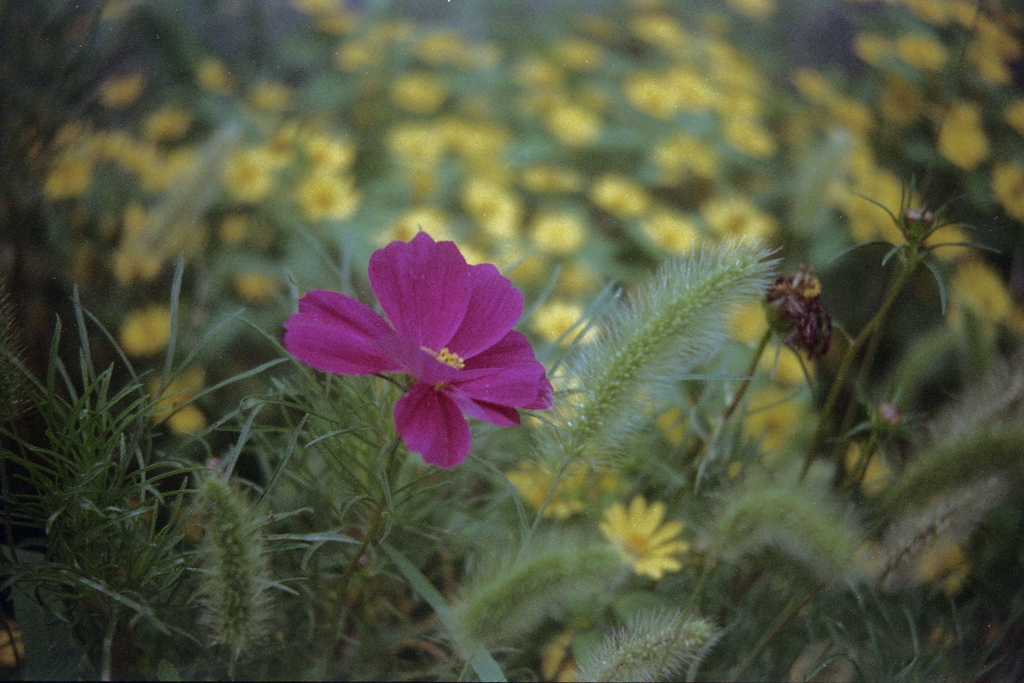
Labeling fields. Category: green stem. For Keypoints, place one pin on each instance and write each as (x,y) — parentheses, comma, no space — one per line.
(745,383)
(734,402)
(372,535)
(869,332)
(784,619)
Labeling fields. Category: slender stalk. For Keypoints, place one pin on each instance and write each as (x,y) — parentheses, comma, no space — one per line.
(372,535)
(734,402)
(871,332)
(751,369)
(784,619)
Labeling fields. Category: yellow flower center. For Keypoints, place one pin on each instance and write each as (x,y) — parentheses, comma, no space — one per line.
(447,357)
(637,545)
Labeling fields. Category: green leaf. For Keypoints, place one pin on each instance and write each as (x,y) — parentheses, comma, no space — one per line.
(483,664)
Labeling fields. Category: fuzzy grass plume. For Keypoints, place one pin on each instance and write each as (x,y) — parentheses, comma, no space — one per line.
(671,324)
(953,516)
(649,647)
(793,521)
(555,574)
(235,573)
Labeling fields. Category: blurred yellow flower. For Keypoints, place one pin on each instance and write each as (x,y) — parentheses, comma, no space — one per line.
(418,145)
(555,318)
(327,197)
(145,331)
(748,323)
(120,91)
(748,136)
(644,539)
(558,232)
(213,75)
(962,138)
(443,48)
(579,54)
(773,417)
(70,176)
(130,261)
(249,175)
(497,209)
(620,196)
(535,72)
(12,646)
(900,101)
(167,123)
(270,96)
(944,562)
(428,219)
(1008,187)
(573,125)
(872,48)
(256,287)
(785,366)
(736,216)
(328,153)
(755,9)
(420,93)
(670,230)
(548,178)
(672,424)
(180,419)
(935,12)
(355,55)
(233,229)
(979,287)
(662,31)
(990,64)
(921,51)
(651,94)
(877,474)
(579,486)
(556,660)
(692,89)
(1013,114)
(576,280)
(680,154)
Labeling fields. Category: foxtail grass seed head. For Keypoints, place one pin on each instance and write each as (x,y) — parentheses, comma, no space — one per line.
(796,522)
(672,323)
(649,647)
(235,574)
(556,575)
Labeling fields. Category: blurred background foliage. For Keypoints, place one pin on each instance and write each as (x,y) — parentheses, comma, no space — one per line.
(181,172)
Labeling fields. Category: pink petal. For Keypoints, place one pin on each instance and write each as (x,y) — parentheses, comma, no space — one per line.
(335,333)
(511,349)
(432,425)
(502,416)
(494,307)
(507,374)
(518,386)
(415,361)
(423,287)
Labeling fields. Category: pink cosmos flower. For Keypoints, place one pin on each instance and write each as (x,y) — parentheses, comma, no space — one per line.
(450,330)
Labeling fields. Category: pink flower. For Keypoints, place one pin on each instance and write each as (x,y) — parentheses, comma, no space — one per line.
(450,330)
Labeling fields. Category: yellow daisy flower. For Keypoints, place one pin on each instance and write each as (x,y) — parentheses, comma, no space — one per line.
(145,332)
(643,537)
(962,138)
(573,125)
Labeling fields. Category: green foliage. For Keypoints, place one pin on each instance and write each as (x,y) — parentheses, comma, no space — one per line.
(177,481)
